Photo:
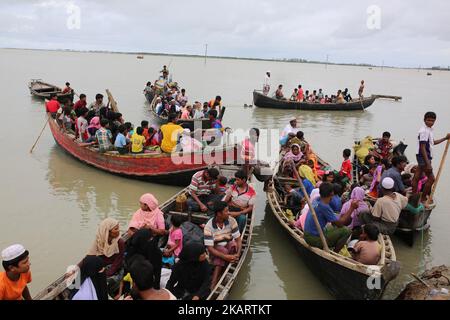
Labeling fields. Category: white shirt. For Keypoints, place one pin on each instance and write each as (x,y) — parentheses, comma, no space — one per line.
(425,134)
(288,129)
(266,80)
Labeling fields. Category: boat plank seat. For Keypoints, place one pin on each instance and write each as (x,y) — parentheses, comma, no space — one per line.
(198,216)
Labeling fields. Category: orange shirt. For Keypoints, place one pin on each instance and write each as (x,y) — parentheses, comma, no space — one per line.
(52,106)
(12,290)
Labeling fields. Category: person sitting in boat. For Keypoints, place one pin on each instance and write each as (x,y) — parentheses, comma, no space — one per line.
(159,106)
(67,89)
(189,144)
(170,134)
(198,113)
(340,97)
(222,239)
(279,93)
(97,104)
(82,125)
(138,141)
(213,136)
(217,102)
(145,287)
(292,160)
(186,114)
(153,138)
(291,127)
(328,99)
(320,95)
(347,96)
(182,98)
(335,236)
(398,165)
(201,189)
(149,216)
(17,275)
(175,242)
(336,200)
(53,105)
(241,198)
(191,275)
(93,284)
(380,168)
(383,147)
(94,125)
(313,96)
(80,103)
(306,171)
(121,143)
(293,199)
(104,137)
(294,95)
(386,211)
(358,195)
(110,247)
(300,140)
(367,250)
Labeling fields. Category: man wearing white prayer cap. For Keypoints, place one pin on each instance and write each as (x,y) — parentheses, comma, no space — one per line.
(386,211)
(14,280)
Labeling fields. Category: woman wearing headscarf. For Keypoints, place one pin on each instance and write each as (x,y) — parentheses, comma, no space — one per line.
(93,280)
(109,246)
(94,125)
(191,276)
(142,243)
(357,194)
(149,216)
(189,144)
(293,157)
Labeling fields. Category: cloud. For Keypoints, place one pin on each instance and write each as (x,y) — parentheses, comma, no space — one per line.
(411,33)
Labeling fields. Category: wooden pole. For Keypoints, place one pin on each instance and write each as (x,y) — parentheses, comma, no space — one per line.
(46,122)
(311,208)
(441,166)
(112,101)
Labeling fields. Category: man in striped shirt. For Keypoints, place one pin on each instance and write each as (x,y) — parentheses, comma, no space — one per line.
(201,189)
(222,239)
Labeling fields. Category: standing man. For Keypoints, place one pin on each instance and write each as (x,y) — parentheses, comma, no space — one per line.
(301,95)
(266,86)
(361,90)
(425,155)
(14,280)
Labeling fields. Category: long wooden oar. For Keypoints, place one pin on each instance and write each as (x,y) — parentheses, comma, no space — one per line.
(441,166)
(311,208)
(46,122)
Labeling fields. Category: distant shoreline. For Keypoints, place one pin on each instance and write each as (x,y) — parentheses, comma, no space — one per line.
(290,60)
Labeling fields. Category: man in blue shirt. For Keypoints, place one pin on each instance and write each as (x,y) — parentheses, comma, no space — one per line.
(398,165)
(335,236)
(121,143)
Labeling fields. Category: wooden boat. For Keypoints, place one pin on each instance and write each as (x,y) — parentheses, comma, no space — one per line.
(409,223)
(192,124)
(175,168)
(263,101)
(345,278)
(59,289)
(44,90)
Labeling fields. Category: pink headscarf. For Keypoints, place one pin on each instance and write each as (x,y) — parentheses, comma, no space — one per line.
(153,218)
(95,123)
(357,194)
(291,156)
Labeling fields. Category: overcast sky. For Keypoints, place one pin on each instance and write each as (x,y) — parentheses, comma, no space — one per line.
(411,33)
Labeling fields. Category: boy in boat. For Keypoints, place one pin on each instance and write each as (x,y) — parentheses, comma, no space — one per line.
(386,211)
(346,167)
(138,141)
(279,93)
(215,102)
(383,147)
(367,250)
(222,239)
(121,144)
(98,104)
(424,154)
(294,95)
(14,280)
(335,236)
(398,166)
(170,133)
(67,89)
(80,103)
(201,189)
(361,90)
(104,136)
(53,105)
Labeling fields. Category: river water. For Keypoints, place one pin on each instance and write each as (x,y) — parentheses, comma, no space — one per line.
(52,203)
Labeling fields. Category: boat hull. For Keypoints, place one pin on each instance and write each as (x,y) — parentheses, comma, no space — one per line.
(176,169)
(262,101)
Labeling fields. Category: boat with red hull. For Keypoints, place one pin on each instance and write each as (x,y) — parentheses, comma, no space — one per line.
(174,169)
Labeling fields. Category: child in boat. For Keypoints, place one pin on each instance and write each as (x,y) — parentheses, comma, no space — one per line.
(384,165)
(137,141)
(384,147)
(367,250)
(14,280)
(175,243)
(152,138)
(293,199)
(346,167)
(222,185)
(121,143)
(414,205)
